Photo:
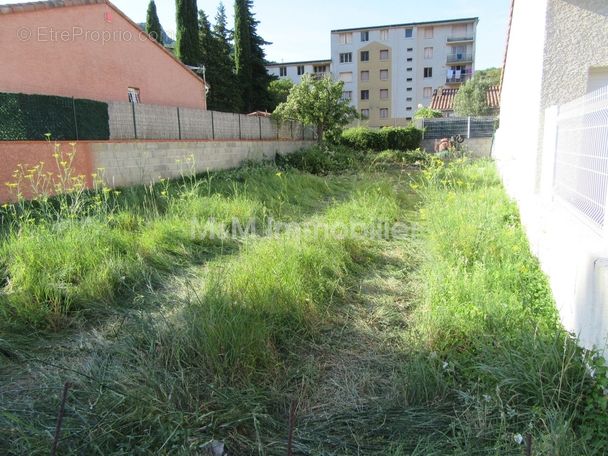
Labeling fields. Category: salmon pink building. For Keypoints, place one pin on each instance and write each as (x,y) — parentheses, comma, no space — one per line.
(90,49)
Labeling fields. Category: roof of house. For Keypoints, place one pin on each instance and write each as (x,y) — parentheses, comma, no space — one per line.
(443,99)
(50,4)
(409,24)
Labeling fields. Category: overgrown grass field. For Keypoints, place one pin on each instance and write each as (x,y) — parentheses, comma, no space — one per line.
(179,326)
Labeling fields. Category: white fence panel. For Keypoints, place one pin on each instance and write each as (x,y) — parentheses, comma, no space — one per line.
(581,156)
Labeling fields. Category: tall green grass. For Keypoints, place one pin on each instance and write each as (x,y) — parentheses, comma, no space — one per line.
(277,290)
(59,267)
(488,328)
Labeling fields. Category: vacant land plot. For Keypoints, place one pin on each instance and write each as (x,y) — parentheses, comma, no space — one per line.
(370,308)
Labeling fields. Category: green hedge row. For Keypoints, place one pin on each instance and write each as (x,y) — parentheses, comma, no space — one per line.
(30,117)
(395,138)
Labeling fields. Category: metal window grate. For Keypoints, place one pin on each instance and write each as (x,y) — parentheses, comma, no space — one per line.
(581,160)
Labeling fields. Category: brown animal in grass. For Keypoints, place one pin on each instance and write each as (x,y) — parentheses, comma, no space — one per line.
(442,145)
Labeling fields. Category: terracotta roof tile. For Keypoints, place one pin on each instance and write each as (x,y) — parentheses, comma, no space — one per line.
(494,97)
(443,99)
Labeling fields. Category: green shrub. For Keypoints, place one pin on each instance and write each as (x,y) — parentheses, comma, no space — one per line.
(402,138)
(32,117)
(362,138)
(323,160)
(386,138)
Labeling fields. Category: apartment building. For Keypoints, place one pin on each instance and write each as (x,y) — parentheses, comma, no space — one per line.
(389,70)
(295,70)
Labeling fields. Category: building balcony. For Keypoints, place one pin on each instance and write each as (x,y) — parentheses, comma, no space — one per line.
(458,80)
(460,58)
(319,75)
(461,39)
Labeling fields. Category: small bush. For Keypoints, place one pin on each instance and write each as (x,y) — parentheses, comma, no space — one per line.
(364,139)
(323,160)
(386,138)
(402,138)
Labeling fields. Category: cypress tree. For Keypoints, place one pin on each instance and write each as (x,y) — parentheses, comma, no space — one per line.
(187,46)
(216,51)
(153,27)
(250,59)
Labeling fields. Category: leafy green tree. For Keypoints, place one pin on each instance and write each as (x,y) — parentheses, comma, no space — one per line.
(427,113)
(491,76)
(153,27)
(472,98)
(318,102)
(279,91)
(187,46)
(215,50)
(250,59)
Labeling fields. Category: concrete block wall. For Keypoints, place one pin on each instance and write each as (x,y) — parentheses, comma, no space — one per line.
(150,122)
(156,122)
(126,164)
(195,124)
(121,120)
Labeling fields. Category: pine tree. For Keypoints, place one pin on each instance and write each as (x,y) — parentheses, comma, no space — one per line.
(216,51)
(250,59)
(187,46)
(153,27)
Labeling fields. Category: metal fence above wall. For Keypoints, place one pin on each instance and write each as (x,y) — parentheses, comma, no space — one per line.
(468,127)
(139,121)
(581,155)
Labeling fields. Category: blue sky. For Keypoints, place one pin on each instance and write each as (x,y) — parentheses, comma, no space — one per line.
(299,30)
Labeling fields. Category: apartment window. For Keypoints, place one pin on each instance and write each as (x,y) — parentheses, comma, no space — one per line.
(459,31)
(300,70)
(364,36)
(409,79)
(409,59)
(134,95)
(383,94)
(384,54)
(384,75)
(408,118)
(428,32)
(346,77)
(409,69)
(409,99)
(384,113)
(347,95)
(410,49)
(409,108)
(365,75)
(365,94)
(320,68)
(283,71)
(428,52)
(427,92)
(346,57)
(409,89)
(428,72)
(365,56)
(384,35)
(346,38)
(409,32)
(365,113)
